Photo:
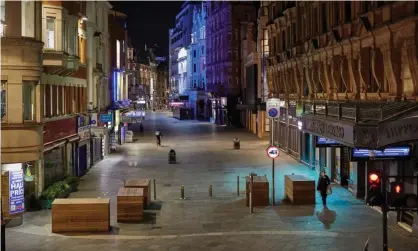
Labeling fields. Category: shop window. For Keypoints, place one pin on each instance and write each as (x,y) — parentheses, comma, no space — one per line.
(54,167)
(28,100)
(50,33)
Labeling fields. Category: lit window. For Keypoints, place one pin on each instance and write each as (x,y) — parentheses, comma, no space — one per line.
(28,98)
(117,54)
(50,33)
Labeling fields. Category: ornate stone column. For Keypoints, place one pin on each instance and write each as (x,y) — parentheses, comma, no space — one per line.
(331,79)
(308,69)
(392,65)
(410,47)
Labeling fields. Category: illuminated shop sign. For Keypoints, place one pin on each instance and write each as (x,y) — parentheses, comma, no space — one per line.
(325,142)
(388,153)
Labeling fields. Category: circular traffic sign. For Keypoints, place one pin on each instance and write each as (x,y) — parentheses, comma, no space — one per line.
(273,152)
(273,112)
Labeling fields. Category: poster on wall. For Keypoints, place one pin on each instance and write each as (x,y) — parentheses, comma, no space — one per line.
(16,192)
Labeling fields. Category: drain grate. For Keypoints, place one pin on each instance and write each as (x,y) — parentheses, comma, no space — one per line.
(167,185)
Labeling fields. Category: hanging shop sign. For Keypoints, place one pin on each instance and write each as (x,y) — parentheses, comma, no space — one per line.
(106,118)
(16,192)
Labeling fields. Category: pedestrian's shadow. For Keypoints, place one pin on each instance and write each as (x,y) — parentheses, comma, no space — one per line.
(327,217)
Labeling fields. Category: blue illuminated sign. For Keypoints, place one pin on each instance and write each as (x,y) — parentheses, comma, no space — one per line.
(324,142)
(106,118)
(388,153)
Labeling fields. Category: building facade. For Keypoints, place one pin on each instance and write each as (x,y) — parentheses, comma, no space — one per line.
(22,99)
(223,73)
(196,64)
(180,39)
(98,93)
(252,102)
(346,72)
(161,88)
(118,81)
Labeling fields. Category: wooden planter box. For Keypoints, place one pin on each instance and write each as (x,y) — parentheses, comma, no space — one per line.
(80,215)
(260,191)
(300,190)
(130,203)
(144,184)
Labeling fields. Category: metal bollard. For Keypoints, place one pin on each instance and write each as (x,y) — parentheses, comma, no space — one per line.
(251,193)
(210,191)
(182,192)
(155,190)
(238,186)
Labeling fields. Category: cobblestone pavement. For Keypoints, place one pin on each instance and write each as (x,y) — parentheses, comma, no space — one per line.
(205,156)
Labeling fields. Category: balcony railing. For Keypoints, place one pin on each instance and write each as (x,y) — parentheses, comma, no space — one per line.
(358,111)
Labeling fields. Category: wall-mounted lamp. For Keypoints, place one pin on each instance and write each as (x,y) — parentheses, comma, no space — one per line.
(84,18)
(97,34)
(300,124)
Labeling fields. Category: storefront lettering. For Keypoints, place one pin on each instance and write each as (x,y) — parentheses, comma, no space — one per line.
(327,129)
(401,130)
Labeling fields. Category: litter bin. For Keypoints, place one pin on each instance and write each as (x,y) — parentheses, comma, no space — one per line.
(172,157)
(237,144)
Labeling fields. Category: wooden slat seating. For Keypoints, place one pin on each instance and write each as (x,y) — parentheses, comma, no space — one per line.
(300,190)
(80,215)
(130,204)
(141,183)
(260,191)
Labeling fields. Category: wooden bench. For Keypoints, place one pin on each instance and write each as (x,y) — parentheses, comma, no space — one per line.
(80,215)
(130,203)
(260,191)
(300,190)
(144,184)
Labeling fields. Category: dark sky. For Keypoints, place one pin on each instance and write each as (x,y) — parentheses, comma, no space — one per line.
(149,21)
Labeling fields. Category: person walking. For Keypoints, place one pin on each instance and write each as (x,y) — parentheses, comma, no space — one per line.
(158,134)
(324,187)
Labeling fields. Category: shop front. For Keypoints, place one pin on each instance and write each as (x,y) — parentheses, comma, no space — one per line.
(98,136)
(348,149)
(103,128)
(83,145)
(59,136)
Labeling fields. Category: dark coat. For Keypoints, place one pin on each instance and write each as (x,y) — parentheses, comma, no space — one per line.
(323,184)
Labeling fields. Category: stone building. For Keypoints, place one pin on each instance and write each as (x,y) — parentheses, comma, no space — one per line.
(22,100)
(223,57)
(161,88)
(253,88)
(47,57)
(346,74)
(196,63)
(179,40)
